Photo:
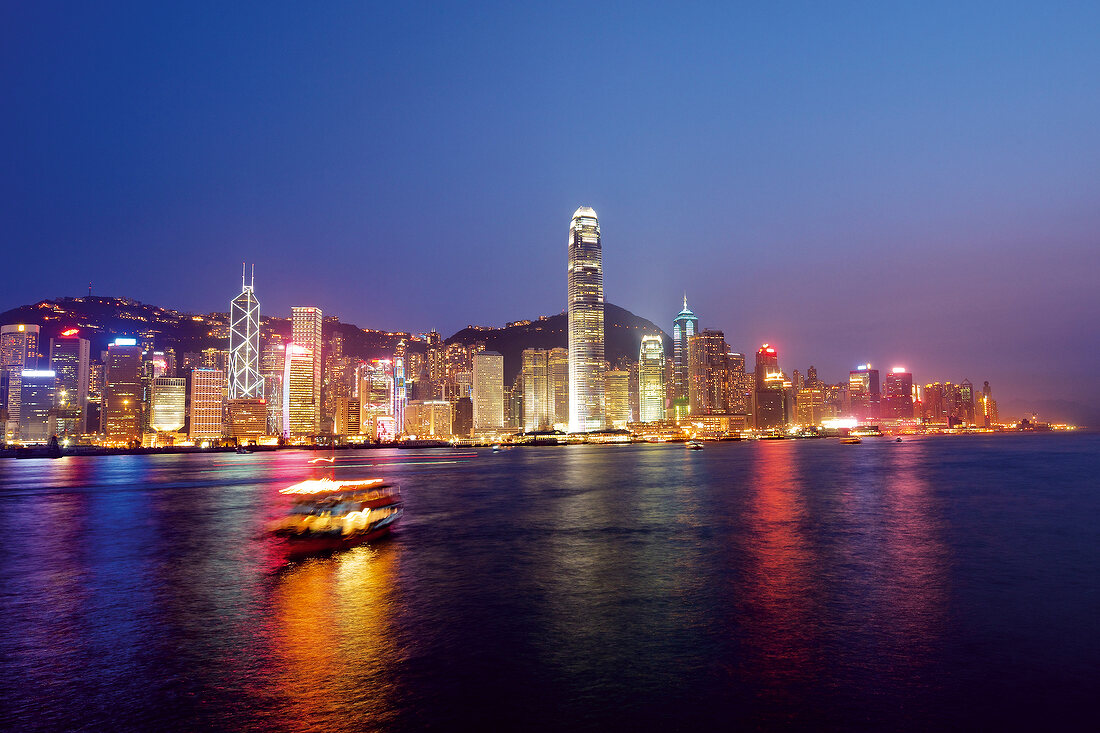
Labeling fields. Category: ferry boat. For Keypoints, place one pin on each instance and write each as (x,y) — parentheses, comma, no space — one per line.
(330,515)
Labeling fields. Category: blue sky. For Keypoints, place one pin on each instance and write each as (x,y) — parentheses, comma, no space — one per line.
(910,183)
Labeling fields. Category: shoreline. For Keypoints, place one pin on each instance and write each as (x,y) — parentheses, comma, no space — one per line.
(25,453)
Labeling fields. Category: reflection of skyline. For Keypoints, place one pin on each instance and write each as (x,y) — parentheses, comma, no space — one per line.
(331,641)
(781,579)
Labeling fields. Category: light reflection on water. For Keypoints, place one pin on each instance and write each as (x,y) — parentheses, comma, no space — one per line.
(774,584)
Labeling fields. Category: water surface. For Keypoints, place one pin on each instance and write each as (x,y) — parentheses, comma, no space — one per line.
(946,582)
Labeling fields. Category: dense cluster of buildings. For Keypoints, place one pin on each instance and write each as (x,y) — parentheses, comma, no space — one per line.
(303,387)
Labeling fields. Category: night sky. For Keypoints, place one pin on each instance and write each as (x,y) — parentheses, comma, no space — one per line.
(915,185)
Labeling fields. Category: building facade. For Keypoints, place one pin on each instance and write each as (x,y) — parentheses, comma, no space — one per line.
(18,351)
(70,358)
(651,379)
(208,393)
(306,326)
(488,367)
(122,394)
(586,323)
(684,327)
(245,380)
(38,393)
(168,407)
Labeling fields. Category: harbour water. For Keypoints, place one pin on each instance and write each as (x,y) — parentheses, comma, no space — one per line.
(938,582)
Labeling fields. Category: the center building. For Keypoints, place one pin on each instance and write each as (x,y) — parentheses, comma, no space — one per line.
(586,362)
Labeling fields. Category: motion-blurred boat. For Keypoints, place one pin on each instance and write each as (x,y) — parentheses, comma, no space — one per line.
(330,515)
(694,445)
(851,441)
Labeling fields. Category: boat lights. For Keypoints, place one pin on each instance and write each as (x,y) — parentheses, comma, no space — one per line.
(321,485)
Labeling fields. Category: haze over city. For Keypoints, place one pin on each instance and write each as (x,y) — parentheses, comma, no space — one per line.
(852,183)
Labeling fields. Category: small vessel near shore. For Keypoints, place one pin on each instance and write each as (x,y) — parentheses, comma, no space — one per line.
(329,515)
(693,445)
(850,441)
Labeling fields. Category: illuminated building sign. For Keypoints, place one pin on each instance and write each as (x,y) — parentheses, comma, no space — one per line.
(70,332)
(125,342)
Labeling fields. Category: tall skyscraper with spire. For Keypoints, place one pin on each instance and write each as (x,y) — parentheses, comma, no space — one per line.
(684,326)
(245,381)
(586,336)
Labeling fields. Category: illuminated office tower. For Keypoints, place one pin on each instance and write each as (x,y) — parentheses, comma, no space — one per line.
(122,394)
(558,365)
(488,390)
(897,397)
(989,416)
(586,364)
(246,419)
(400,387)
(272,362)
(934,404)
(863,392)
(810,406)
(300,415)
(428,419)
(684,327)
(348,419)
(207,404)
(18,351)
(37,395)
(536,390)
(617,398)
(463,423)
(245,381)
(962,401)
(740,384)
(374,386)
(708,373)
(768,411)
(651,379)
(306,332)
(168,409)
(70,358)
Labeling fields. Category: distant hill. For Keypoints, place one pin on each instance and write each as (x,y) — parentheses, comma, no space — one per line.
(101,319)
(623,337)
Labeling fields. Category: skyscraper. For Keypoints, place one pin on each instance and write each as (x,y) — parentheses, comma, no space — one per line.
(245,381)
(537,390)
(122,395)
(768,411)
(306,332)
(740,384)
(586,336)
(684,327)
(558,365)
(488,390)
(617,398)
(207,404)
(18,351)
(70,358)
(300,406)
(897,398)
(169,404)
(863,392)
(37,396)
(651,379)
(708,373)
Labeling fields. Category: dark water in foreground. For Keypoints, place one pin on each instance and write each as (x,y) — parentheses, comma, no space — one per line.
(940,582)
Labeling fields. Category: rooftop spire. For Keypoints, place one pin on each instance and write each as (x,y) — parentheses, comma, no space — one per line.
(685,300)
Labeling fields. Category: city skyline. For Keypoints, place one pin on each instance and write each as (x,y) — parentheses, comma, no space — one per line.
(860,184)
